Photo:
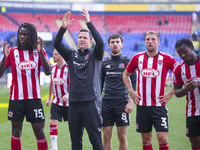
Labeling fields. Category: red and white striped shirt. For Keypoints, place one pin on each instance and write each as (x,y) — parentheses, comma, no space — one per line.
(183,72)
(60,81)
(25,67)
(152,74)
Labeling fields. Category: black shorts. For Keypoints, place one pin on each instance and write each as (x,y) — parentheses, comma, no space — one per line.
(59,112)
(193,126)
(113,112)
(31,108)
(148,116)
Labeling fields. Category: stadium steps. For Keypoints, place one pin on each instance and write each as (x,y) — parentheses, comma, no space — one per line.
(67,36)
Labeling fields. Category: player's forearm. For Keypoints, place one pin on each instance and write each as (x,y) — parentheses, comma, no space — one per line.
(50,90)
(59,37)
(172,91)
(63,51)
(127,82)
(45,64)
(180,92)
(2,66)
(99,47)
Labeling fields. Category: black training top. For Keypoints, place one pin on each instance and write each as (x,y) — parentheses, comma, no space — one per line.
(111,75)
(84,68)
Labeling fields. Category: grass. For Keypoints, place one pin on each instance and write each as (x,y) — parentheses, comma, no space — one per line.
(177,137)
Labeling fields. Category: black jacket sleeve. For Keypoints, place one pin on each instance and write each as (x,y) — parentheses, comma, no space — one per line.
(63,51)
(102,78)
(99,47)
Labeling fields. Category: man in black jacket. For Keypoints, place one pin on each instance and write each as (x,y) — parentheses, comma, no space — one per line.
(116,104)
(84,82)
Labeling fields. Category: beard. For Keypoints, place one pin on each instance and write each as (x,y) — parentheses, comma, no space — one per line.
(151,49)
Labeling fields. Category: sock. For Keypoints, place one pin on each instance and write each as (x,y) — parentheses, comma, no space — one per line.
(163,147)
(53,136)
(147,146)
(15,143)
(42,144)
(196,148)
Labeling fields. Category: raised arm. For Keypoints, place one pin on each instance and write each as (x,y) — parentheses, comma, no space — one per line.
(63,51)
(45,64)
(99,47)
(6,52)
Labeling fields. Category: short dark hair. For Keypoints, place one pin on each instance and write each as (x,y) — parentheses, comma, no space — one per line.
(152,32)
(85,30)
(184,41)
(32,35)
(115,36)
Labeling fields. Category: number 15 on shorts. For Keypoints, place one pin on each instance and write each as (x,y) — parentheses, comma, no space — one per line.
(39,113)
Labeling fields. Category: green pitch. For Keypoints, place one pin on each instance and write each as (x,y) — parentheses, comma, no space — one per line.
(177,138)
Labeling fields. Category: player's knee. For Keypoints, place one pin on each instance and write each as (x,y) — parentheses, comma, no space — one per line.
(122,138)
(146,138)
(106,137)
(16,131)
(195,144)
(38,130)
(163,140)
(53,122)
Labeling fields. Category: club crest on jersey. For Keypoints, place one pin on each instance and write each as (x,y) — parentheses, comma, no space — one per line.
(87,56)
(35,54)
(150,73)
(27,65)
(121,65)
(58,81)
(65,72)
(160,62)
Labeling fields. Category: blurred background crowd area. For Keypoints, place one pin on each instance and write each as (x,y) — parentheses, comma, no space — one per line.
(173,19)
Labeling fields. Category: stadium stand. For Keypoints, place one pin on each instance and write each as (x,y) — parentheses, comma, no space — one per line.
(131,26)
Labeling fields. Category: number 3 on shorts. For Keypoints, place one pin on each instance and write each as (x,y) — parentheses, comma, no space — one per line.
(38,113)
(164,122)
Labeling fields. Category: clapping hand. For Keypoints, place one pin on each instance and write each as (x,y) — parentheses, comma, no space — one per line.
(66,20)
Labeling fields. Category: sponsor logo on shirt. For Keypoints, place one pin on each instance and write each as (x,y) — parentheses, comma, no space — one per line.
(27,65)
(150,73)
(80,66)
(58,81)
(114,73)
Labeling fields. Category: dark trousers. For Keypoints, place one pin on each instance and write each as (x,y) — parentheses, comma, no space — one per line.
(84,115)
